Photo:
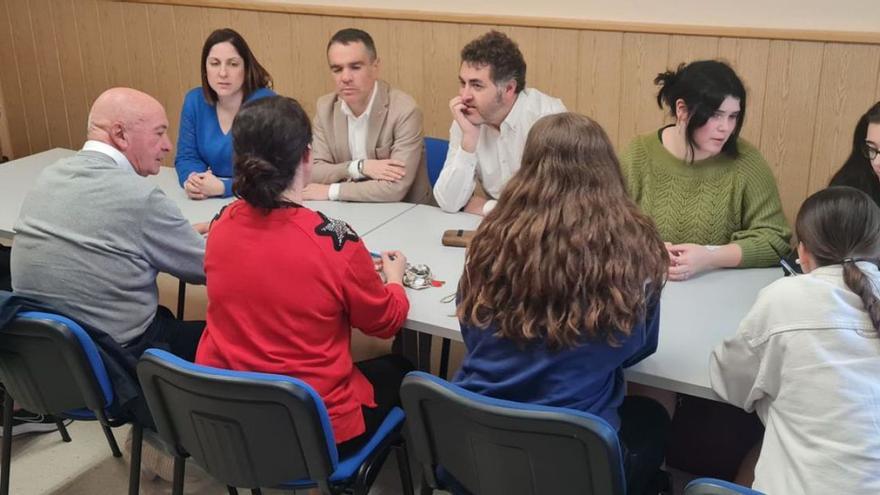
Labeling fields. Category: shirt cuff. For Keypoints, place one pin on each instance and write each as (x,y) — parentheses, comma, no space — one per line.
(353,171)
(333,192)
(227,186)
(489,206)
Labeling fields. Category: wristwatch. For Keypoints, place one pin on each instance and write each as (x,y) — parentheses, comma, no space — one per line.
(361,167)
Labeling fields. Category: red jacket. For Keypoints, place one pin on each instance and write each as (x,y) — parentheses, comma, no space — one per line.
(284,291)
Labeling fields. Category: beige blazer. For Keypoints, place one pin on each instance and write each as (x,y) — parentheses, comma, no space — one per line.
(394,131)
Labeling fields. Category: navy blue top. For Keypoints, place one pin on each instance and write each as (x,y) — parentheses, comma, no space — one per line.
(588,377)
(201,144)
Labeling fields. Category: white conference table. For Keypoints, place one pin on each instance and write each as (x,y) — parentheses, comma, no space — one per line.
(695,315)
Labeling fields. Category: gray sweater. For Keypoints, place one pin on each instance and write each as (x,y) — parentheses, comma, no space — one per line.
(91,238)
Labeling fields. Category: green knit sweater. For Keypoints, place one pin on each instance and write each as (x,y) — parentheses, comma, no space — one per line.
(715,201)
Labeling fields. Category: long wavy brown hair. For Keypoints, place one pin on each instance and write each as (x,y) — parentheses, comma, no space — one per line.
(566,255)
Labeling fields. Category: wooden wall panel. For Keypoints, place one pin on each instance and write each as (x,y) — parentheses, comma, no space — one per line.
(599,80)
(76,101)
(442,83)
(34,122)
(17,143)
(114,44)
(91,49)
(789,117)
(749,58)
(58,55)
(556,65)
(644,56)
(49,73)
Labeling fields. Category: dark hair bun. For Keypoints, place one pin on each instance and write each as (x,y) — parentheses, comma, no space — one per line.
(258,181)
(270,137)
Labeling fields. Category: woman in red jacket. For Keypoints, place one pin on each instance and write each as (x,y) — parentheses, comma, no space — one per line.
(286,284)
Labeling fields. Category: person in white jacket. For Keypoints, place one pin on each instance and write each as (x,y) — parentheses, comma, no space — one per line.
(807,356)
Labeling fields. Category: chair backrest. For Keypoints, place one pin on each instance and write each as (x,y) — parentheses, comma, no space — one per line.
(50,365)
(500,447)
(711,486)
(246,429)
(435,156)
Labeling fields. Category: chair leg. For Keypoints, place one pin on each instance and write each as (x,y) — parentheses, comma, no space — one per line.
(403,466)
(7,444)
(114,447)
(424,488)
(181,299)
(231,490)
(134,472)
(424,353)
(179,473)
(62,429)
(444,358)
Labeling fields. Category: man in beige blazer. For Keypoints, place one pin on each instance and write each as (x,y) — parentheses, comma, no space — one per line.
(367,135)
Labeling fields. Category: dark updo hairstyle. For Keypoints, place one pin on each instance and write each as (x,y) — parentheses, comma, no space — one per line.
(255,76)
(269,138)
(857,171)
(703,86)
(841,225)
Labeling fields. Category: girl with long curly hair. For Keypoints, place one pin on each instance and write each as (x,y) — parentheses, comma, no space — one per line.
(561,289)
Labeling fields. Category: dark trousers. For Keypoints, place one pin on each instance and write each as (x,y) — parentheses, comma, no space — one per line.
(178,337)
(644,428)
(385,373)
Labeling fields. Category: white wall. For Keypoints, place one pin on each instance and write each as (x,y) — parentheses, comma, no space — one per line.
(823,15)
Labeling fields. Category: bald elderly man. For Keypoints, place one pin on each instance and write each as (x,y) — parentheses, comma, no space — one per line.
(93,234)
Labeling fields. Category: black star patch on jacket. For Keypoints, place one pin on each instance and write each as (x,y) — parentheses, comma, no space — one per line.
(337,230)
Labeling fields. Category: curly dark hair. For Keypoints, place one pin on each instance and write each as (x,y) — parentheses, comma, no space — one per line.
(501,54)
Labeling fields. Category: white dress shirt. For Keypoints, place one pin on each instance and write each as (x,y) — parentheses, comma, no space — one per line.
(498,154)
(357,140)
(807,359)
(118,158)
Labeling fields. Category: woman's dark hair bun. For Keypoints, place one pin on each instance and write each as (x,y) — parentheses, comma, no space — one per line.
(270,137)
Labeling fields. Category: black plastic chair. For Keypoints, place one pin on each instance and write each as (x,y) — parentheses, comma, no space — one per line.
(50,365)
(712,486)
(499,447)
(258,430)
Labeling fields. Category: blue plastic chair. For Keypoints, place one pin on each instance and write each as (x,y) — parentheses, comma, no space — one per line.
(435,156)
(50,365)
(712,486)
(499,447)
(258,430)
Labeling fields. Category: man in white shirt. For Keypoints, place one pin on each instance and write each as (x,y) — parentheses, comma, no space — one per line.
(492,116)
(367,142)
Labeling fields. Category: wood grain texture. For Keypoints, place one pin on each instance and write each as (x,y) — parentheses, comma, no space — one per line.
(530,21)
(789,117)
(59,55)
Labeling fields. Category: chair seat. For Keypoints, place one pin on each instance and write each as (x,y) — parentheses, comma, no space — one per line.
(348,467)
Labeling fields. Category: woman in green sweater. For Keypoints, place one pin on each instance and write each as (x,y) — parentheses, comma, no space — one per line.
(711,193)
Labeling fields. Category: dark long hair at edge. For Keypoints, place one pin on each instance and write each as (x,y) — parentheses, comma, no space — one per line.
(856,171)
(566,255)
(269,138)
(841,225)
